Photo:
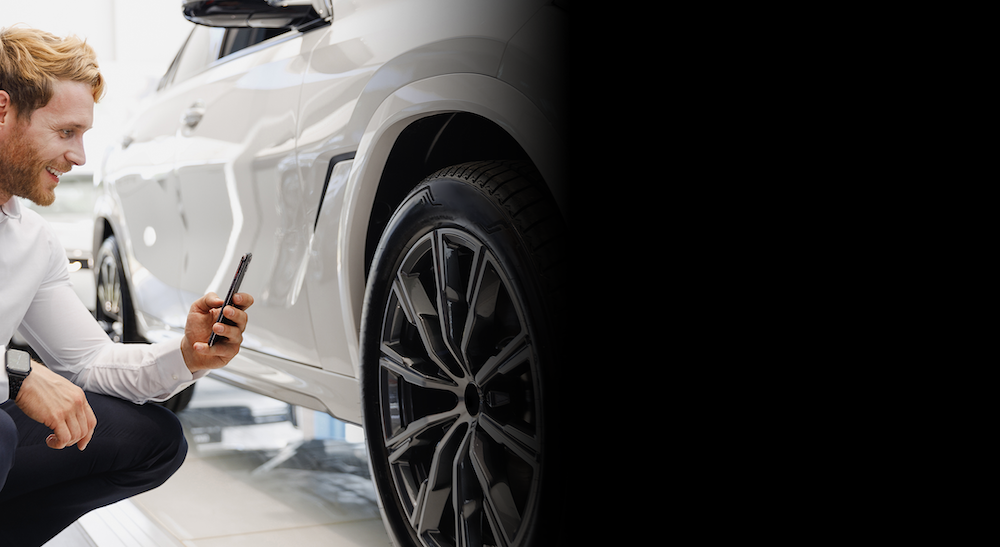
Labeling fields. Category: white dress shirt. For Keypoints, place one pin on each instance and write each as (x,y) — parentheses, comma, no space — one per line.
(36,298)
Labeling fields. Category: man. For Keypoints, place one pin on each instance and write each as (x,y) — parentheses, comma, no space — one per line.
(72,436)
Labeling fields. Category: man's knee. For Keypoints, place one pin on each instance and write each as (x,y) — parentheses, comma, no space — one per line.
(149,437)
(175,450)
(168,437)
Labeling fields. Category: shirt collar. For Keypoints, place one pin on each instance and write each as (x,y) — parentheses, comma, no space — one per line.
(11,209)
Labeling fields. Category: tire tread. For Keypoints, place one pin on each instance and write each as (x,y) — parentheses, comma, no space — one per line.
(517,187)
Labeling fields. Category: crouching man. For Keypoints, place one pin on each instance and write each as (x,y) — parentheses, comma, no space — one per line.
(72,436)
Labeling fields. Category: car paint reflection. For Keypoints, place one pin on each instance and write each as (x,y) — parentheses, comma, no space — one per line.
(280,448)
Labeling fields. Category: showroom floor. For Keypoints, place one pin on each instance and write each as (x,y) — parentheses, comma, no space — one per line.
(258,473)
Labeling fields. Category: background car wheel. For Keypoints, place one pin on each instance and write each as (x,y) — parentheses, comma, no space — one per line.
(460,350)
(114,304)
(114,310)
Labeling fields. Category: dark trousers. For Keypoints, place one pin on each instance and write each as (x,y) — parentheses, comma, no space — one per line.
(134,449)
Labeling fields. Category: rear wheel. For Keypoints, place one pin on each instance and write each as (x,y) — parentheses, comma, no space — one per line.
(460,352)
(114,304)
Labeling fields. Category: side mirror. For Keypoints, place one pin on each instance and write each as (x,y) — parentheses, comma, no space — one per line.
(255,13)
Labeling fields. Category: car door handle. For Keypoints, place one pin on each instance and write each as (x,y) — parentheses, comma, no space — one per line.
(193,115)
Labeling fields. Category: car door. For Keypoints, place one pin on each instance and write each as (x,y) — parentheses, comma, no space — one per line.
(239,186)
(153,224)
(208,172)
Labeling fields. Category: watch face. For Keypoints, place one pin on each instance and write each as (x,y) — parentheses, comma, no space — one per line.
(18,361)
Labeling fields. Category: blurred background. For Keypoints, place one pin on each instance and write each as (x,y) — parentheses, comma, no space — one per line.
(259,471)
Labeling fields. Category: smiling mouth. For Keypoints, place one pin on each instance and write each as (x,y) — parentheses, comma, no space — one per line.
(53,172)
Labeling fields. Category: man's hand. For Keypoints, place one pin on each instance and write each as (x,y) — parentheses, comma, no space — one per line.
(62,406)
(200,325)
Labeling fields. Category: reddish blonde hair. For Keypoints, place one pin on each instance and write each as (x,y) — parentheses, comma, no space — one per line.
(31,60)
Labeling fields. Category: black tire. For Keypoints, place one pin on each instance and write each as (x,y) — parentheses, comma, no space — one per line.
(113,308)
(114,311)
(459,360)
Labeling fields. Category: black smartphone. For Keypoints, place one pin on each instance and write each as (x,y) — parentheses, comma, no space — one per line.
(234,287)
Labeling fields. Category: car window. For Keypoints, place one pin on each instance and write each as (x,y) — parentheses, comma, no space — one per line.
(240,38)
(202,49)
(205,45)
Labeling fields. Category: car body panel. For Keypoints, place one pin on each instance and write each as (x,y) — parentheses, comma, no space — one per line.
(471,93)
(294,383)
(285,158)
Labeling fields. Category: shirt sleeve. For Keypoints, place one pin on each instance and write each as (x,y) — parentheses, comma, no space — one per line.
(69,341)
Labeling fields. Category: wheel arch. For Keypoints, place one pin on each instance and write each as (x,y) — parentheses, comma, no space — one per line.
(422,148)
(407,141)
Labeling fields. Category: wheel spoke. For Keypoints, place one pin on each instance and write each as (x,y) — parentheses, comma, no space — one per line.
(437,493)
(422,314)
(104,289)
(408,437)
(523,445)
(108,289)
(467,498)
(498,501)
(402,367)
(513,354)
(493,324)
(392,365)
(454,259)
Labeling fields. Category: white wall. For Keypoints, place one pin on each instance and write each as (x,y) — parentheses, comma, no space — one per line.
(135,41)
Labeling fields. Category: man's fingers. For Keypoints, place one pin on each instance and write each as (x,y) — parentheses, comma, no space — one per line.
(242,300)
(234,321)
(231,333)
(91,421)
(61,406)
(236,315)
(211,302)
(82,444)
(208,303)
(60,438)
(204,320)
(76,427)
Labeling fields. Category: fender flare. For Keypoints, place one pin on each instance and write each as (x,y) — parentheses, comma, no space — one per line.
(486,96)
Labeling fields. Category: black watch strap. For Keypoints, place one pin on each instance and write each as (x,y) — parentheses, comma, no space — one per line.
(18,364)
(14,383)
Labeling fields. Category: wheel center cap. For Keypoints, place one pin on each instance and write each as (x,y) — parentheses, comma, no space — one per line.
(473,399)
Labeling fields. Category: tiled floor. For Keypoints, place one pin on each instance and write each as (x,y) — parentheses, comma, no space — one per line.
(255,475)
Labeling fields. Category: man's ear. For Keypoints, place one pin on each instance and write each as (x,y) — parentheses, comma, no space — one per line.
(5,108)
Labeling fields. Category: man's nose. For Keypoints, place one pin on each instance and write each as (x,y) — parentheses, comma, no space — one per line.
(76,154)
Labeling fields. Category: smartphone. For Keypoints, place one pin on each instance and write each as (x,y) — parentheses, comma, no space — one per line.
(234,287)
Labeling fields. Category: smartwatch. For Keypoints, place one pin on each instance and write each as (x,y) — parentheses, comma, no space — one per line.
(18,368)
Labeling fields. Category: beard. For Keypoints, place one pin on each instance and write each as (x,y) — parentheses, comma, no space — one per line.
(20,167)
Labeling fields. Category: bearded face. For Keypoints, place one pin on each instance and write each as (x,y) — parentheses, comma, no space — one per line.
(20,167)
(36,150)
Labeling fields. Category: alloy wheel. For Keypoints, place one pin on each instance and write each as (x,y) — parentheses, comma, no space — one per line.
(109,303)
(459,395)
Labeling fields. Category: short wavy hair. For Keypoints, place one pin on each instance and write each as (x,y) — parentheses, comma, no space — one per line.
(31,60)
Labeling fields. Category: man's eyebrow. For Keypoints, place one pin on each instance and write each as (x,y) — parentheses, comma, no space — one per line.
(75,126)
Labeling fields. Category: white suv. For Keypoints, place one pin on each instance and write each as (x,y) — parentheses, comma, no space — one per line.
(398,170)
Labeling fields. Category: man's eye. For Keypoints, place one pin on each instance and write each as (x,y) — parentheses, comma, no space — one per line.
(67,132)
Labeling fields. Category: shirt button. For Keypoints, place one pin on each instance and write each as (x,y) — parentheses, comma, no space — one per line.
(175,376)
